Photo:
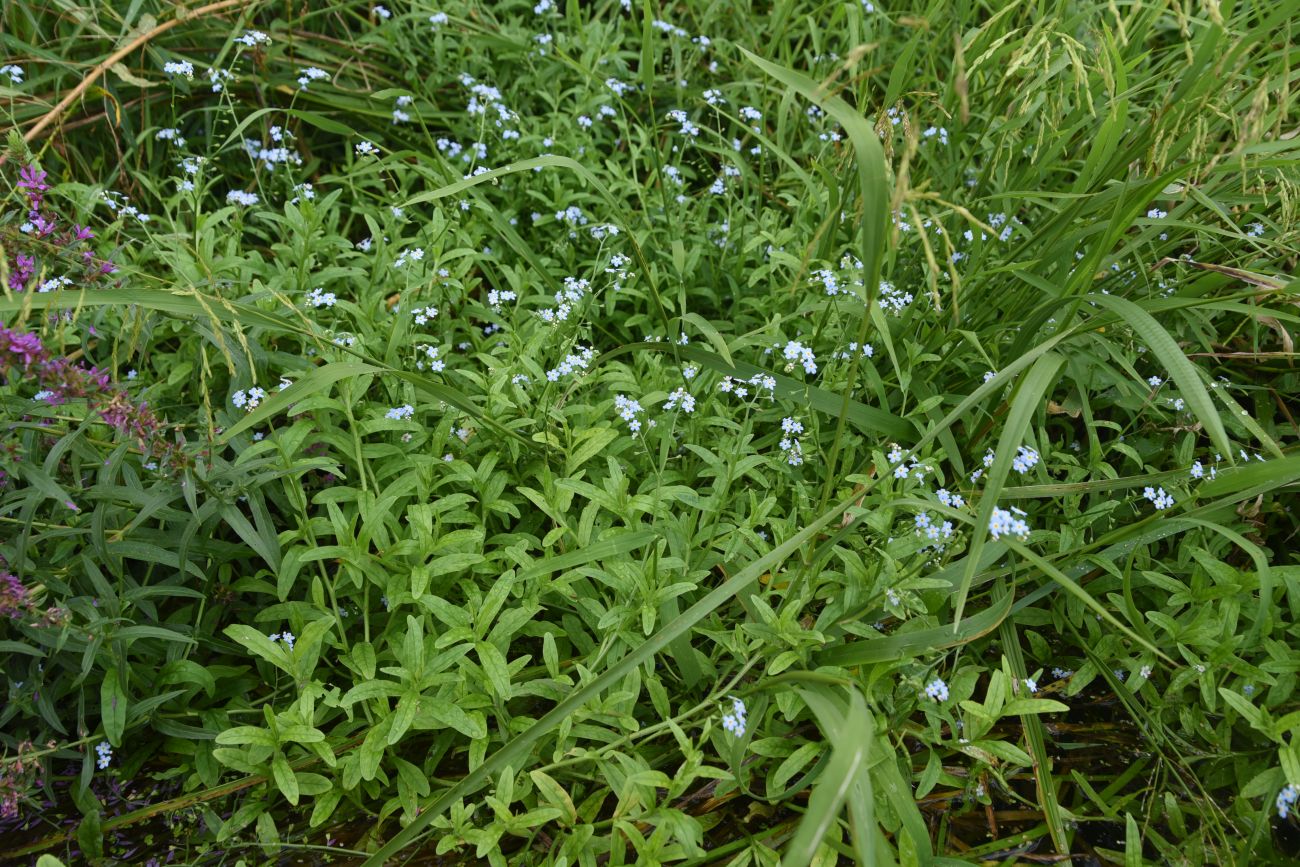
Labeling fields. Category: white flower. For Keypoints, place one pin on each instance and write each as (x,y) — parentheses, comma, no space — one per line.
(1285,800)
(937,690)
(15,74)
(172,135)
(310,74)
(319,298)
(681,398)
(795,351)
(736,721)
(438,19)
(1003,523)
(179,67)
(399,413)
(366,149)
(953,501)
(254,37)
(1158,497)
(1025,459)
(218,78)
(239,197)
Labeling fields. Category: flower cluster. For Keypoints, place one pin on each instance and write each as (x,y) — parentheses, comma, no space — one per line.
(1025,460)
(22,353)
(1004,523)
(934,533)
(319,298)
(424,315)
(628,410)
(740,387)
(497,297)
(736,721)
(795,351)
(286,637)
(916,469)
(572,363)
(892,299)
(1158,497)
(104,751)
(14,600)
(687,128)
(937,690)
(39,236)
(681,399)
(400,413)
(248,400)
(414,254)
(431,353)
(866,350)
(1286,800)
(790,443)
(179,67)
(575,289)
(951,500)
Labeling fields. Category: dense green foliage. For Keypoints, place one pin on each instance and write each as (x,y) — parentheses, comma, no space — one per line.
(678,434)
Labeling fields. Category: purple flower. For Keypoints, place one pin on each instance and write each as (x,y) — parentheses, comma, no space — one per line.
(32,179)
(13,596)
(22,271)
(26,346)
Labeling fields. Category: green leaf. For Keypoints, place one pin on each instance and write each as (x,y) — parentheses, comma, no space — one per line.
(903,644)
(1243,706)
(112,707)
(587,445)
(253,640)
(850,735)
(285,780)
(363,656)
(554,794)
(448,714)
(494,666)
(1289,758)
(710,334)
(371,689)
(1033,705)
(247,735)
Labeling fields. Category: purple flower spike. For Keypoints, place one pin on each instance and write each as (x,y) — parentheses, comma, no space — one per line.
(32,179)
